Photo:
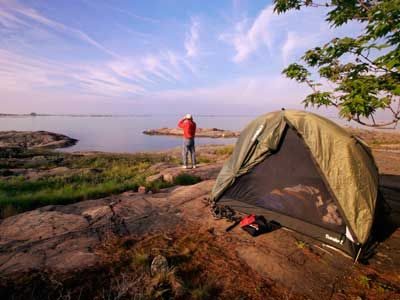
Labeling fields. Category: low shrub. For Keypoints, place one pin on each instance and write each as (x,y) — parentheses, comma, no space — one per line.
(157,185)
(186,179)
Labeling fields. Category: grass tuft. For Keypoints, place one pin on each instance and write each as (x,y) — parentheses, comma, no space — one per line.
(186,179)
(301,244)
(202,292)
(225,151)
(364,281)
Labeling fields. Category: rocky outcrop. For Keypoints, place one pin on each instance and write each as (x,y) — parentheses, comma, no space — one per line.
(203,172)
(200,132)
(34,139)
(65,238)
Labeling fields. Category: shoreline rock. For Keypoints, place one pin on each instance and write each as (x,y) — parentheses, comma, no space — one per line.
(35,139)
(63,240)
(200,132)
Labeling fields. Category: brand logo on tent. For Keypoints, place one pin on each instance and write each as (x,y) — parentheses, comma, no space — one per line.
(333,239)
(257,133)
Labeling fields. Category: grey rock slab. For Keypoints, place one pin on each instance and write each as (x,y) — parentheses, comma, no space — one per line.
(61,238)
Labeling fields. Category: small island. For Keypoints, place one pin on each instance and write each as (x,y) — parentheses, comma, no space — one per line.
(34,139)
(200,132)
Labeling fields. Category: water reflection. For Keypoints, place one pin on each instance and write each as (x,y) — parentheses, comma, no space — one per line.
(121,134)
(124,133)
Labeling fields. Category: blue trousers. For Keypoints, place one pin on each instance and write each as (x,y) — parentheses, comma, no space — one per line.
(188,146)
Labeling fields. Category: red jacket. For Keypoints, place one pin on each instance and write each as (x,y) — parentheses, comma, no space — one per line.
(189,128)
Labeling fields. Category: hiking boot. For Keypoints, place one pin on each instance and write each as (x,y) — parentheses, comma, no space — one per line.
(184,167)
(194,167)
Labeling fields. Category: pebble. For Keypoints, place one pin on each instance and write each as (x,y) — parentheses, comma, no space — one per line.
(159,265)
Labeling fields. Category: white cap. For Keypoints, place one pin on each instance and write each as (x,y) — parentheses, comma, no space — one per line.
(188,116)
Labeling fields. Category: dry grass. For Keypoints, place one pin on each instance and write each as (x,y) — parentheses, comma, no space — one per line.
(201,266)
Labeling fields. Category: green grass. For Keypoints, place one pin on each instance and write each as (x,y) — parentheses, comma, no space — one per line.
(385,142)
(186,179)
(203,159)
(157,185)
(90,177)
(227,150)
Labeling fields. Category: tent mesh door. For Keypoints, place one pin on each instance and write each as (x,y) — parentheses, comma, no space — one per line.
(289,183)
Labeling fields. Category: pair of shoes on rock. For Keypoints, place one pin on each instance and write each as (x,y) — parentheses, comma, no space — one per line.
(187,167)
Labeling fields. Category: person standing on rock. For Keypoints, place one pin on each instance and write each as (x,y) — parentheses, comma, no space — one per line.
(189,132)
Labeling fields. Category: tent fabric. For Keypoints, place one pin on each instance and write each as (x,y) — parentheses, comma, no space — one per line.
(288,182)
(345,163)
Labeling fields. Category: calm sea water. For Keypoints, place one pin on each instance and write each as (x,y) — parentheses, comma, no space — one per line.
(124,133)
(121,134)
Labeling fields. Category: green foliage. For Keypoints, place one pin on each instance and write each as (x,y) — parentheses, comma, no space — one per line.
(365,70)
(298,72)
(87,177)
(364,281)
(301,244)
(157,185)
(26,194)
(186,179)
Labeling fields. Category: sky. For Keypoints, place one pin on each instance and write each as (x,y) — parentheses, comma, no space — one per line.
(161,57)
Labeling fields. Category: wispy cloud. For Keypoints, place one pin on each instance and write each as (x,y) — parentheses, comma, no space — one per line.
(273,91)
(151,68)
(120,10)
(11,17)
(281,36)
(21,73)
(127,57)
(10,21)
(295,42)
(118,77)
(248,39)
(100,82)
(192,38)
(134,32)
(131,14)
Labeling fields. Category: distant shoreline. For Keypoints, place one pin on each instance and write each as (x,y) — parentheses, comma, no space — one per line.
(200,132)
(117,115)
(72,115)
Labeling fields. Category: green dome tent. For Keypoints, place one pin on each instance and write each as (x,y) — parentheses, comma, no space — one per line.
(305,172)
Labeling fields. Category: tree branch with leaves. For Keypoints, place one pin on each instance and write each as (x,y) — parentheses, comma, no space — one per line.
(365,70)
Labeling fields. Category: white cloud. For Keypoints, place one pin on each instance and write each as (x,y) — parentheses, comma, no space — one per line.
(130,69)
(119,77)
(247,41)
(10,21)
(192,39)
(152,68)
(283,35)
(122,11)
(262,91)
(21,73)
(10,17)
(115,77)
(295,42)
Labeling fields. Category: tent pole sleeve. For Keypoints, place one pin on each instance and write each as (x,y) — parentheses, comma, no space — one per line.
(358,255)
